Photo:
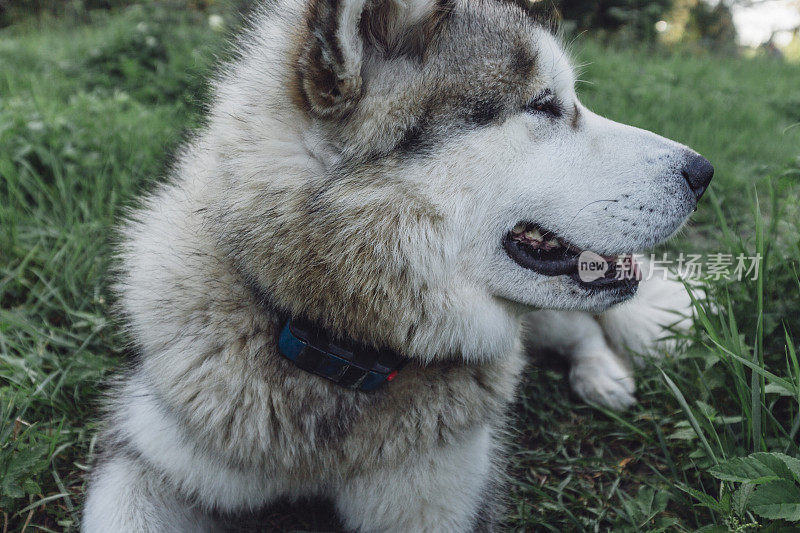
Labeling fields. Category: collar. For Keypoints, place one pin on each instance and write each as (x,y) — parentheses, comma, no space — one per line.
(346,363)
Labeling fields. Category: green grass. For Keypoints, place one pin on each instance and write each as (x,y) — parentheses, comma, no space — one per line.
(86,116)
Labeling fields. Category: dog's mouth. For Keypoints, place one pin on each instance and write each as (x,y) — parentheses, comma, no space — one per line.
(544,252)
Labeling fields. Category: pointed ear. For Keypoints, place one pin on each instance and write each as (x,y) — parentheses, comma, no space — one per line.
(338,35)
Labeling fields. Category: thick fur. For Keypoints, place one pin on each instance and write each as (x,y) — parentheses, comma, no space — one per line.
(362,161)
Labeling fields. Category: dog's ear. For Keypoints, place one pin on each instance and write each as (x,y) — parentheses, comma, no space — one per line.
(340,33)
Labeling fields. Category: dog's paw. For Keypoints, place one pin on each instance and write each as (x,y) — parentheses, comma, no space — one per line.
(649,322)
(603,380)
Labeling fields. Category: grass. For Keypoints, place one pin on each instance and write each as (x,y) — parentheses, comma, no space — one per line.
(86,112)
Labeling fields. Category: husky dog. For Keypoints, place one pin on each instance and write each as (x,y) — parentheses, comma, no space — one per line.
(407,176)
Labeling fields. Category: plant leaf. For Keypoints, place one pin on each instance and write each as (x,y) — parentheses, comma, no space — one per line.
(779,500)
(741,498)
(791,463)
(757,468)
(704,499)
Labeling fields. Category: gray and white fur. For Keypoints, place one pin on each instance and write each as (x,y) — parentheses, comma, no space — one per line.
(361,164)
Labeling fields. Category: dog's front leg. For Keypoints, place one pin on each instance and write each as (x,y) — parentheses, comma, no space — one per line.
(598,374)
(449,489)
(127,496)
(154,477)
(647,323)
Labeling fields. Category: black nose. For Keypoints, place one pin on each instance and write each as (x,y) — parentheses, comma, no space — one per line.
(698,173)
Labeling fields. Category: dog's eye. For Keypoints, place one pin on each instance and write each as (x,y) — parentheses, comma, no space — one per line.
(544,103)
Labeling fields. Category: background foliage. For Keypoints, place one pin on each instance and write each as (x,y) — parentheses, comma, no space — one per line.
(91,102)
(632,19)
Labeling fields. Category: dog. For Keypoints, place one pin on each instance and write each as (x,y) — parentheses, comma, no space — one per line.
(326,295)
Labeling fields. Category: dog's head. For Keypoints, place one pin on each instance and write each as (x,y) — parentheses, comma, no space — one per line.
(415,172)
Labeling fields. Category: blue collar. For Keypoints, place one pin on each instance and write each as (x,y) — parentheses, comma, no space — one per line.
(345,363)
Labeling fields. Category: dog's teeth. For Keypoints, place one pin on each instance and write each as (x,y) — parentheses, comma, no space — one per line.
(554,243)
(519,228)
(534,235)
